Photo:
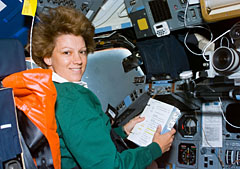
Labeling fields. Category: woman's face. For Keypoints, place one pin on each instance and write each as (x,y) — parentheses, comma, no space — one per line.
(69,57)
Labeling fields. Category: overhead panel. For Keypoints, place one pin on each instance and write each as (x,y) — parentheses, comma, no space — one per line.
(88,7)
(162,16)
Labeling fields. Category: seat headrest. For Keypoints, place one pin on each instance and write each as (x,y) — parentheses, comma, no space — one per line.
(12,57)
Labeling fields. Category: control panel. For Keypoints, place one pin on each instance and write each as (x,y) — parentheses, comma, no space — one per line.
(204,138)
(88,7)
(146,15)
(135,102)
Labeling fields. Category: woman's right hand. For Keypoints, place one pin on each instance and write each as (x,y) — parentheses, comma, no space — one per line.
(164,140)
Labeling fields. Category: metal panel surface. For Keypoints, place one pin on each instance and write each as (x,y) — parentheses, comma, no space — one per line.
(106,77)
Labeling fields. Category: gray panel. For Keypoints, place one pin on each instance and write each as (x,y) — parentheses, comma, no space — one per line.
(161,10)
(87,7)
(106,77)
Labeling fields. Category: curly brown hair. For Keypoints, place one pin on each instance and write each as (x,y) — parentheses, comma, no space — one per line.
(59,21)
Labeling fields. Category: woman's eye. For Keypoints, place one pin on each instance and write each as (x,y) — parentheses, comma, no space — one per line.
(66,52)
(83,52)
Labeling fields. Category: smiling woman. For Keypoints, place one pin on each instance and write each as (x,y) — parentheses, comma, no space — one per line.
(60,21)
(61,42)
(69,57)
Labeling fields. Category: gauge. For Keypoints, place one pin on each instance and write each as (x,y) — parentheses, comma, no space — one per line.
(187,154)
(187,125)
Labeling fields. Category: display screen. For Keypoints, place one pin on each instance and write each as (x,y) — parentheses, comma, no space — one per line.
(160,10)
(232,116)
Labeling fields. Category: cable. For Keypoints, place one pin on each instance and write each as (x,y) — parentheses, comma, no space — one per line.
(206,138)
(238,127)
(222,41)
(157,93)
(190,27)
(108,36)
(105,36)
(130,43)
(210,43)
(219,158)
(185,43)
(31,31)
(185,18)
(203,54)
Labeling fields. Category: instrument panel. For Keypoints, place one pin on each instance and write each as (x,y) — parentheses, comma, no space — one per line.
(197,129)
(87,7)
(168,15)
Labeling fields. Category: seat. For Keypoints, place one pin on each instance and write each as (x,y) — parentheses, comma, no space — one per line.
(10,148)
(34,96)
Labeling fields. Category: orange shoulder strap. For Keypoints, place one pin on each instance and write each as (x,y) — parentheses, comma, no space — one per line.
(35,94)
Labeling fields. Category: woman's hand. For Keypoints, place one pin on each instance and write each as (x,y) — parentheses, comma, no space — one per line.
(129,126)
(164,140)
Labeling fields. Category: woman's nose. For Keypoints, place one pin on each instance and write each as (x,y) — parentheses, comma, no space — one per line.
(77,59)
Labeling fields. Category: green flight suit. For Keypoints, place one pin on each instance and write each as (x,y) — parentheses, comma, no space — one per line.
(84,132)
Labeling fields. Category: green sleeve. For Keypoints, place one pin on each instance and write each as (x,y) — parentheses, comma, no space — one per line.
(119,130)
(86,136)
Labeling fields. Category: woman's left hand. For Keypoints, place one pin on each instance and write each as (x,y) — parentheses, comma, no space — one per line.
(129,126)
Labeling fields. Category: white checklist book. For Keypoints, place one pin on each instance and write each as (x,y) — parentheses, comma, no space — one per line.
(155,113)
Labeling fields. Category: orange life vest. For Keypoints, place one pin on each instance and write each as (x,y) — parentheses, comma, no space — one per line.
(35,95)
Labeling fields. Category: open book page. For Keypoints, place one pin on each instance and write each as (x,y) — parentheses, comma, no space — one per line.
(155,113)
